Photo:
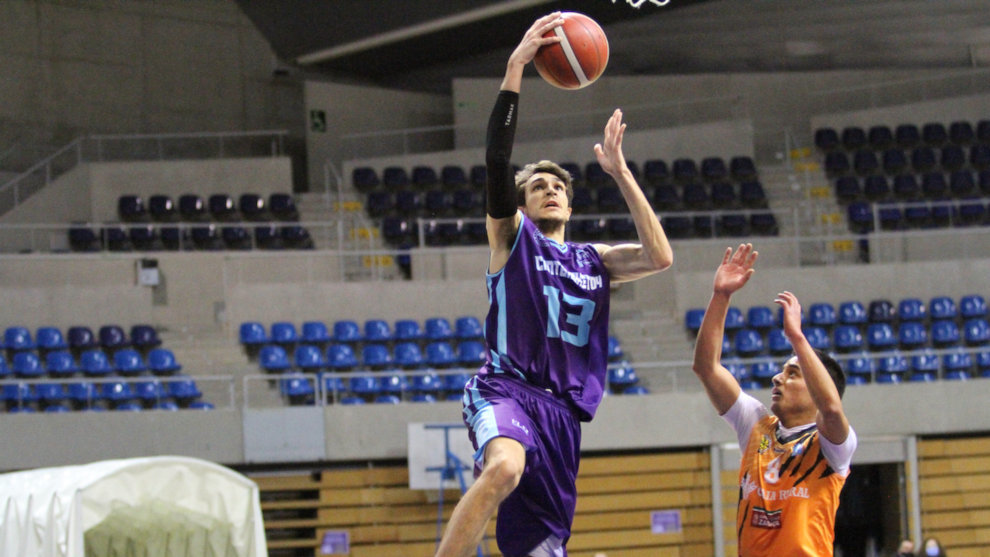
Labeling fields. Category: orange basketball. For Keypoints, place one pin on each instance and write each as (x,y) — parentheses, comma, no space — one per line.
(579,58)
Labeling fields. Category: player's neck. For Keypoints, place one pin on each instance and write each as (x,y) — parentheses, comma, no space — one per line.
(797,419)
(552,228)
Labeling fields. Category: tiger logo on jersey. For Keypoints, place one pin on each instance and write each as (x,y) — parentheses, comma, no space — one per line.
(764,444)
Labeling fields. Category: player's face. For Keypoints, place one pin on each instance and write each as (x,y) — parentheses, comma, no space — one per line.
(546,198)
(790,396)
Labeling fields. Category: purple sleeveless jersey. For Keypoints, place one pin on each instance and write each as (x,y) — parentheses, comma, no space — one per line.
(547,321)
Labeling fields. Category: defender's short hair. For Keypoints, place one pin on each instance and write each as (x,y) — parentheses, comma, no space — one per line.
(834,371)
(549,167)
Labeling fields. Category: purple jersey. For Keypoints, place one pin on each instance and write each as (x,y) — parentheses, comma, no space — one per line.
(547,321)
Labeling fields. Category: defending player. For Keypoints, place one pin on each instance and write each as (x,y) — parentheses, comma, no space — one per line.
(546,330)
(796,455)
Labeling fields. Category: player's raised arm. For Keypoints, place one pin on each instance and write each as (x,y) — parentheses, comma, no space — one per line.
(502,220)
(831,418)
(653,252)
(732,274)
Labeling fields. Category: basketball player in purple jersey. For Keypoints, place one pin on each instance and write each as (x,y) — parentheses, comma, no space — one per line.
(546,331)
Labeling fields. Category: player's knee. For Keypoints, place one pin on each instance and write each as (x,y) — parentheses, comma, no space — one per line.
(504,471)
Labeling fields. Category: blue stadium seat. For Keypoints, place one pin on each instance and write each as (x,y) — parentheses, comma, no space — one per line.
(836,164)
(253,207)
(934,134)
(923,159)
(27,365)
(365,178)
(82,238)
(983,363)
(934,186)
(860,364)
(752,195)
(18,338)
(315,332)
(466,202)
(192,208)
(407,330)
(827,139)
(853,137)
(684,170)
(945,333)
(818,337)
(972,305)
(273,358)
(51,393)
(907,136)
(925,362)
(692,319)
(723,195)
(429,382)
(117,392)
(308,357)
(879,137)
(162,361)
(183,389)
(440,354)
(595,176)
(94,362)
(478,175)
(393,384)
(942,307)
(49,338)
(60,364)
(764,369)
(906,187)
(297,388)
(81,338)
(655,172)
(341,357)
(760,317)
(347,331)
(962,184)
(852,312)
(268,236)
(822,314)
(437,328)
(162,208)
(847,338)
(253,333)
(144,336)
(130,208)
(83,394)
(976,332)
(408,355)
(876,188)
(734,319)
(423,397)
(777,343)
(748,343)
(222,207)
(881,311)
(468,327)
(282,206)
(437,203)
(471,353)
(424,177)
(961,132)
(128,361)
(376,356)
(969,212)
(912,309)
(892,362)
(151,392)
(763,224)
(847,189)
(377,330)
(912,335)
(894,161)
(891,216)
(889,378)
(865,162)
(615,352)
(609,199)
(622,376)
(880,336)
(453,176)
(284,332)
(860,217)
(454,383)
(142,237)
(956,360)
(714,169)
(952,157)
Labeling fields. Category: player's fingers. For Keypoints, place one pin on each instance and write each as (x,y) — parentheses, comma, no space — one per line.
(728,254)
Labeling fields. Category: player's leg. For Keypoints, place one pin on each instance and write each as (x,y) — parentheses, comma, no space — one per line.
(505,460)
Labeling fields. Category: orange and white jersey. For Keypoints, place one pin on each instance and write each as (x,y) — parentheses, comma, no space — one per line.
(788,489)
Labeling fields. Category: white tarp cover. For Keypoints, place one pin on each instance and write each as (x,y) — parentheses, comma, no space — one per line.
(48,512)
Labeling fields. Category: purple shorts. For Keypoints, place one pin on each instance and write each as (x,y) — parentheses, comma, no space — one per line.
(543,503)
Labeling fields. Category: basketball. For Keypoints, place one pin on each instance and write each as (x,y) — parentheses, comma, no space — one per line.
(580,56)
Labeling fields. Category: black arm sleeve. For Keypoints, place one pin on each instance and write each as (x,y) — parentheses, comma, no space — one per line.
(501,188)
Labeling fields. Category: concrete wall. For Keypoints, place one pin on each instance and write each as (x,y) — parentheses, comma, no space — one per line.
(972,108)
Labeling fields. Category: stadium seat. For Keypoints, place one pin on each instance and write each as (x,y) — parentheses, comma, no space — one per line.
(144,337)
(847,189)
(860,363)
(879,137)
(880,336)
(49,338)
(853,137)
(692,319)
(407,330)
(385,398)
(206,237)
(408,355)
(777,343)
(923,159)
(979,156)
(911,309)
(282,207)
(94,362)
(822,314)
(972,305)
(365,178)
(615,352)
(684,170)
(347,331)
(847,338)
(112,337)
(956,360)
(748,343)
(827,139)
(315,332)
(714,169)
(622,376)
(925,361)
(377,331)
(471,353)
(983,363)
(655,172)
(273,358)
(297,388)
(962,184)
(437,203)
(253,207)
(934,134)
(60,364)
(296,237)
(117,393)
(83,239)
(466,202)
(341,357)
(609,199)
(865,162)
(252,333)
(764,369)
(961,132)
(437,328)
(393,384)
(852,312)
(734,319)
(951,158)
(222,207)
(976,332)
(906,187)
(876,188)
(308,358)
(752,195)
(183,389)
(595,176)
(424,177)
(468,327)
(267,236)
(161,208)
(836,164)
(934,186)
(151,393)
(440,354)
(454,383)
(130,208)
(27,365)
(18,338)
(375,356)
(890,216)
(818,337)
(723,195)
(574,169)
(128,361)
(161,361)
(192,208)
(478,175)
(881,311)
(942,307)
(945,333)
(51,394)
(453,176)
(860,217)
(907,136)
(283,332)
(429,382)
(81,338)
(892,362)
(894,161)
(760,317)
(912,335)
(763,224)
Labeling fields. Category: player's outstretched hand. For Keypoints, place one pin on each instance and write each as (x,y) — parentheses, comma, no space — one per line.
(609,151)
(735,270)
(534,39)
(792,313)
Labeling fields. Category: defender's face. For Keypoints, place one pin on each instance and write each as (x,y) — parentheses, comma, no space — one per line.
(790,393)
(546,198)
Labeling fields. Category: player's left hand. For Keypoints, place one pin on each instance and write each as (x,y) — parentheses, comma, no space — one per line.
(792,313)
(609,151)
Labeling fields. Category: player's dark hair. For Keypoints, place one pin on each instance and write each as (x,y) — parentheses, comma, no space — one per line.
(834,371)
(549,167)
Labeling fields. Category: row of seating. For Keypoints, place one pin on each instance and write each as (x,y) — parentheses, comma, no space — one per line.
(960,184)
(863,217)
(159,394)
(80,337)
(854,312)
(348,331)
(904,136)
(207,236)
(654,172)
(919,160)
(93,362)
(374,357)
(192,207)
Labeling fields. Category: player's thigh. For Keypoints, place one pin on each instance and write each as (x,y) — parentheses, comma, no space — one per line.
(506,453)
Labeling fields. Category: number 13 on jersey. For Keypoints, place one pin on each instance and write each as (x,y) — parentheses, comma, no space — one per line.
(578,322)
